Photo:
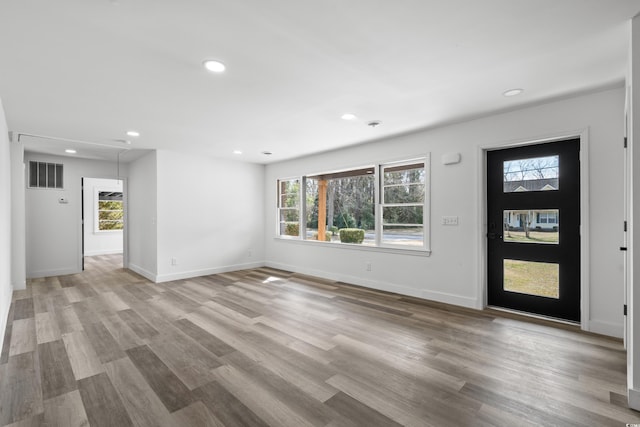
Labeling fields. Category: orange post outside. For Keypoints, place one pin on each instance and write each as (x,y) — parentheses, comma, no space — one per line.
(322,209)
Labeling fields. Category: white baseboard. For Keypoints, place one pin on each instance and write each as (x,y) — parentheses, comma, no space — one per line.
(4,312)
(382,286)
(633,397)
(205,272)
(19,286)
(452,299)
(109,252)
(606,328)
(50,273)
(141,271)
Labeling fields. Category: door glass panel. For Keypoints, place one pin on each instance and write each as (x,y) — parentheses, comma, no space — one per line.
(531,226)
(536,174)
(532,278)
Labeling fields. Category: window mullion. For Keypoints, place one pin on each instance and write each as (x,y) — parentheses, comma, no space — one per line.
(378,188)
(302,194)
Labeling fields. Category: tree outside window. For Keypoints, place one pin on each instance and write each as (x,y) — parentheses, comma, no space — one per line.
(349,202)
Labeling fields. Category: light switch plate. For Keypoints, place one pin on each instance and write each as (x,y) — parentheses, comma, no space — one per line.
(449,220)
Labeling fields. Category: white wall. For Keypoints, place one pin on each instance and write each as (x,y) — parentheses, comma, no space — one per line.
(210,215)
(99,242)
(633,265)
(141,210)
(5,223)
(53,229)
(18,231)
(452,273)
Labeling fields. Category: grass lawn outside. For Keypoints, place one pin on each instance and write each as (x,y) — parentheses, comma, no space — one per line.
(534,237)
(533,278)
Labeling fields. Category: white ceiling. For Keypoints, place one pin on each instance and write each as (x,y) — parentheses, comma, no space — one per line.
(92,69)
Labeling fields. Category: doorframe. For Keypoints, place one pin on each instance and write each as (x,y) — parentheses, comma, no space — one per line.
(125,232)
(583,135)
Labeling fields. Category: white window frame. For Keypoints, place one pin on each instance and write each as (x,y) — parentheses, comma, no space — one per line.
(424,249)
(96,209)
(299,208)
(381,204)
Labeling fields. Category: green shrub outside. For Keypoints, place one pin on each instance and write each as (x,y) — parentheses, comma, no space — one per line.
(351,235)
(333,229)
(327,236)
(292,229)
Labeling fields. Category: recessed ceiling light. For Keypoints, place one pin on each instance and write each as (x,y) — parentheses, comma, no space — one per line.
(133,133)
(70,151)
(513,92)
(214,66)
(237,152)
(348,116)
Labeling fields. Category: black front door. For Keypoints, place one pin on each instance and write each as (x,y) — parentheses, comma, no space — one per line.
(533,222)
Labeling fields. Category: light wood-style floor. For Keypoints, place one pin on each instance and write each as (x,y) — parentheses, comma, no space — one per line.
(267,347)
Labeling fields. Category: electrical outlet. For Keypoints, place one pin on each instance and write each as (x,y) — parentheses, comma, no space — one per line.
(249,254)
(449,220)
(367,265)
(174,261)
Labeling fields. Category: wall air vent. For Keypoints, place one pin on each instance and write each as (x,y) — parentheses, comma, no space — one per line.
(45,175)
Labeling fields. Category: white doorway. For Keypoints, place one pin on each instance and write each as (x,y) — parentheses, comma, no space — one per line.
(102,217)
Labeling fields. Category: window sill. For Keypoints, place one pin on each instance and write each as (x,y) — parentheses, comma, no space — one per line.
(358,247)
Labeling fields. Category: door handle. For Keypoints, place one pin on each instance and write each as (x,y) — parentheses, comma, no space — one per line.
(493,236)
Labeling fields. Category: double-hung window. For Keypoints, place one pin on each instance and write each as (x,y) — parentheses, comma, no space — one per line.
(383,205)
(289,207)
(403,203)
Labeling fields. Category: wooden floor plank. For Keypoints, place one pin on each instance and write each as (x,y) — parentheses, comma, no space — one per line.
(68,320)
(259,399)
(123,334)
(46,328)
(226,407)
(102,403)
(269,347)
(23,336)
(295,398)
(142,404)
(35,421)
(21,396)
(105,345)
(83,358)
(190,362)
(137,324)
(65,410)
(171,391)
(23,309)
(55,369)
(207,340)
(352,409)
(196,414)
